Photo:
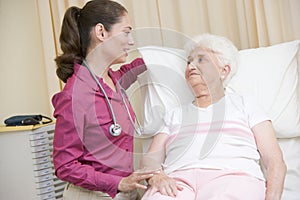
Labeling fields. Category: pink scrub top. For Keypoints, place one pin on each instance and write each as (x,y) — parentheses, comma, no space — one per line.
(84,152)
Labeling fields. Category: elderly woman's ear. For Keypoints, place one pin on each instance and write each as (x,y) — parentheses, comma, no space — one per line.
(225,71)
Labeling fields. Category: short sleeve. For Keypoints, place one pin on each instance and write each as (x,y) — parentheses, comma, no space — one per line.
(171,122)
(254,111)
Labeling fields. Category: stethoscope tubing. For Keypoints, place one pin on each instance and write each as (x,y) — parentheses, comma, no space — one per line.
(122,90)
(103,91)
(139,132)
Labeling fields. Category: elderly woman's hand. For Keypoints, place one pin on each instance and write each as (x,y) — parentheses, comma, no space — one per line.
(164,184)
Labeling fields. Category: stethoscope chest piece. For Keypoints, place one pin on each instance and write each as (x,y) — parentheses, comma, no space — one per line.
(115,130)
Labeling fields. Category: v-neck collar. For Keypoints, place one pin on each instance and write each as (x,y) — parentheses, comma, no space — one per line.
(84,75)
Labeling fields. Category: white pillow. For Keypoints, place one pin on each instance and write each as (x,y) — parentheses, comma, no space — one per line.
(271,75)
(163,85)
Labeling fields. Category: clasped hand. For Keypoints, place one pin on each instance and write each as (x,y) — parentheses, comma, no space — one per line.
(132,181)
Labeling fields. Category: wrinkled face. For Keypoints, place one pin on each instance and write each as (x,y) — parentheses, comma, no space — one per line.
(203,69)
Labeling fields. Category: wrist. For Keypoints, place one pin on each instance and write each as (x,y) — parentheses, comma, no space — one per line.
(120,185)
(273,196)
(157,175)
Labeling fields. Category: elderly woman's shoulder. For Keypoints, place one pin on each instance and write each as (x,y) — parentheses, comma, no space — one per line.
(241,100)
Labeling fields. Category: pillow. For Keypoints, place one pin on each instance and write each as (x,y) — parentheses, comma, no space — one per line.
(271,75)
(163,85)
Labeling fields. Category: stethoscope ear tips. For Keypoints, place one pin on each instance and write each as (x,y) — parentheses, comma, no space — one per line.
(115,130)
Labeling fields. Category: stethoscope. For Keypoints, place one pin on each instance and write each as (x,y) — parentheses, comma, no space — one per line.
(115,129)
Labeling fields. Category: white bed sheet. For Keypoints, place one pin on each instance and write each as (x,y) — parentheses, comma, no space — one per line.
(291,152)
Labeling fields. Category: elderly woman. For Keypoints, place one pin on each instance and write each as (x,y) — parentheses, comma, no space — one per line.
(212,147)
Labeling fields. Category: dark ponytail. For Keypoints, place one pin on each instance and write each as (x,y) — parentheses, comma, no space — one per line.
(70,44)
(75,32)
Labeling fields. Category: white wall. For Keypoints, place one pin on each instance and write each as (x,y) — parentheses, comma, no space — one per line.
(23,83)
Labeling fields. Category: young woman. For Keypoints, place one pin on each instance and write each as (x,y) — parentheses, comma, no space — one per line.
(93,141)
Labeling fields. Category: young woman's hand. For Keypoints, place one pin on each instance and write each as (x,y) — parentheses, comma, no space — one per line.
(133,181)
(162,183)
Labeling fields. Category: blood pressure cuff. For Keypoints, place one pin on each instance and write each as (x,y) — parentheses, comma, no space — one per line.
(23,120)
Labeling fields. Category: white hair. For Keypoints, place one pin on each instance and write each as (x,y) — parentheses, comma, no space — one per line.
(225,50)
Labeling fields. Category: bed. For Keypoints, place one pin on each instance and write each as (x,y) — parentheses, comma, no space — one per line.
(271,74)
